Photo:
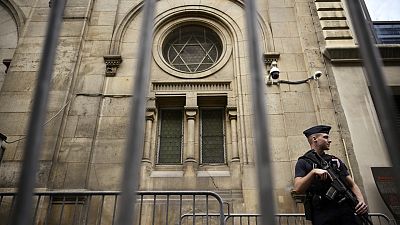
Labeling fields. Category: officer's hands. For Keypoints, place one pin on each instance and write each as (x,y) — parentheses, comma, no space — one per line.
(322,174)
(361,208)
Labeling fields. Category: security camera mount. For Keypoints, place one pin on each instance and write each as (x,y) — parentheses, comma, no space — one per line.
(273,74)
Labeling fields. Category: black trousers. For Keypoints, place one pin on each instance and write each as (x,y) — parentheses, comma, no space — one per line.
(335,215)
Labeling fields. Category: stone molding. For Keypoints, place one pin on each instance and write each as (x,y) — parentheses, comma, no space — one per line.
(192,86)
(16,13)
(112,64)
(389,53)
(333,21)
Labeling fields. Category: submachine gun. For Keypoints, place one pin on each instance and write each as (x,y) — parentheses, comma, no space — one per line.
(338,191)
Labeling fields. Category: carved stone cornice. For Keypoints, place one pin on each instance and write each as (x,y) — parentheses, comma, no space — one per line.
(192,86)
(112,64)
(389,53)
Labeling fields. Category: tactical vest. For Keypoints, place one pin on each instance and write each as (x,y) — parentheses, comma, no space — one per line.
(315,194)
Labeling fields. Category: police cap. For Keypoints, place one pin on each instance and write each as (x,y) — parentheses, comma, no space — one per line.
(317,129)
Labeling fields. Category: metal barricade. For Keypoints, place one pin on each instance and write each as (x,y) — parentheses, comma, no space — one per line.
(280,219)
(101,207)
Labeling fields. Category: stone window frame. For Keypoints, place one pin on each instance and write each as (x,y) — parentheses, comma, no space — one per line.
(178,102)
(164,30)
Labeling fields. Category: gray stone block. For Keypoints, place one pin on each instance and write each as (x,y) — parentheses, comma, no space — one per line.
(75,150)
(112,127)
(296,123)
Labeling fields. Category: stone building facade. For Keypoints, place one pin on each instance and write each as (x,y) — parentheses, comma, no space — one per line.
(199,119)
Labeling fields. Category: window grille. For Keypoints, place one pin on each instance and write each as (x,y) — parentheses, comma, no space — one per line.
(170,136)
(387,32)
(212,136)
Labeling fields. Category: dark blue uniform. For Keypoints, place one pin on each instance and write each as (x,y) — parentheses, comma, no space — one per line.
(325,211)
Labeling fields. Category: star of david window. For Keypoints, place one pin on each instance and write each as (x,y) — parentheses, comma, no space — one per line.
(192,48)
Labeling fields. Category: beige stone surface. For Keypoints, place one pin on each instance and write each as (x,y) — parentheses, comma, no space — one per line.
(109,151)
(273,104)
(74,150)
(84,106)
(337,34)
(297,122)
(279,149)
(100,33)
(329,6)
(334,24)
(13,123)
(115,106)
(338,15)
(282,15)
(105,176)
(112,127)
(15,101)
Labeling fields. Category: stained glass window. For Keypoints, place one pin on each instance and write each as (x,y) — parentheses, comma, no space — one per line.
(212,136)
(170,136)
(192,48)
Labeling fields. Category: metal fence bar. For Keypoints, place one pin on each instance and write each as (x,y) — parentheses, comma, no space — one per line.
(264,174)
(135,136)
(75,206)
(23,211)
(62,211)
(141,210)
(381,94)
(36,210)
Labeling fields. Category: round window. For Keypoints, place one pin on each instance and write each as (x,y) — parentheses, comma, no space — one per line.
(192,48)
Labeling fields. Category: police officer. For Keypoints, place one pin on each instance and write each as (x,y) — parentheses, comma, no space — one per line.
(315,182)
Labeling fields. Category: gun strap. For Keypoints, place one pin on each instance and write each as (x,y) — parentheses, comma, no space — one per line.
(311,156)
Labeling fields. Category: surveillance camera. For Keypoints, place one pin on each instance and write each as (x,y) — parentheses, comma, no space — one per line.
(317,75)
(274,73)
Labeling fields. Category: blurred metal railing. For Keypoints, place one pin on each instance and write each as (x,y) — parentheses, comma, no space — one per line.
(101,208)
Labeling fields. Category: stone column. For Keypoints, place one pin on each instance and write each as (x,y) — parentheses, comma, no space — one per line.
(148,135)
(233,119)
(190,160)
(191,116)
(235,162)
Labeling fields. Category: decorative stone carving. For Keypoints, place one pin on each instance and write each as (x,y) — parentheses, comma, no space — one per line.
(232,112)
(192,86)
(150,113)
(270,57)
(112,64)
